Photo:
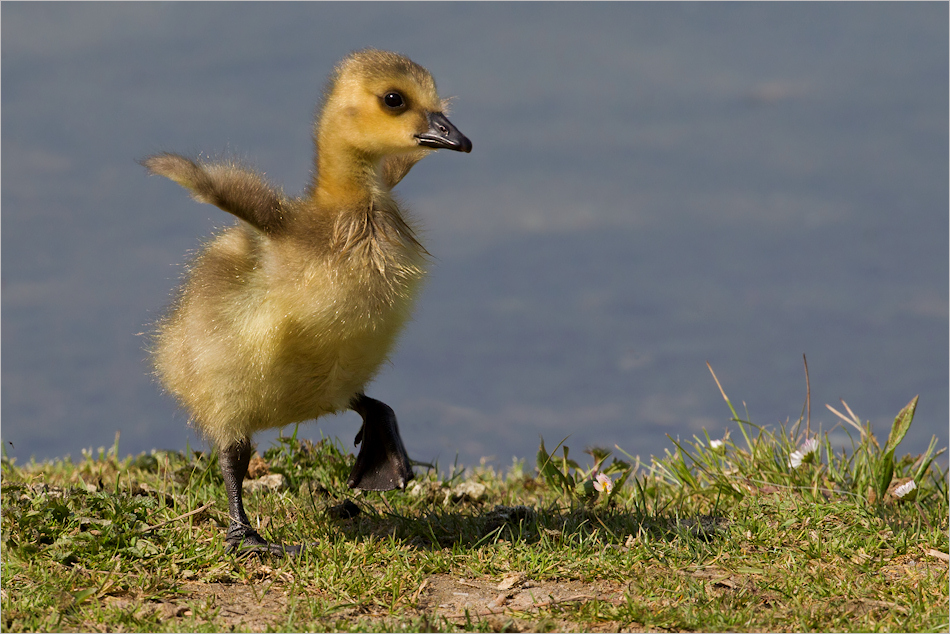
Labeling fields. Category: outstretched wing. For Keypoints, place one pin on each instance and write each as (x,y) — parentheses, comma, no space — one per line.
(233,188)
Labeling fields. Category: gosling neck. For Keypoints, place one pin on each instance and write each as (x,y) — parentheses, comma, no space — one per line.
(347,178)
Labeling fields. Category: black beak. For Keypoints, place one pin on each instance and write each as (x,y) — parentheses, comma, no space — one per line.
(442,134)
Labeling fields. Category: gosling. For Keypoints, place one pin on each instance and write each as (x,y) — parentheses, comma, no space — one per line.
(288,314)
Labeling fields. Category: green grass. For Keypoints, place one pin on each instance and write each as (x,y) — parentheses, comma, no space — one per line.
(710,537)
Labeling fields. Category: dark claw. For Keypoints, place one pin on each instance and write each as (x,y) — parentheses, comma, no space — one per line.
(243,541)
(382,463)
(245,549)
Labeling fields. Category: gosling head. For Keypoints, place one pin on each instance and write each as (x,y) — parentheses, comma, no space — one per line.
(381,104)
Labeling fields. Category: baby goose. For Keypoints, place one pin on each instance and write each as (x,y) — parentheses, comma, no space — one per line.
(287,315)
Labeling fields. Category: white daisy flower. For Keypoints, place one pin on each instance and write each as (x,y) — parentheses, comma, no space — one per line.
(603,483)
(795,459)
(716,445)
(803,454)
(905,488)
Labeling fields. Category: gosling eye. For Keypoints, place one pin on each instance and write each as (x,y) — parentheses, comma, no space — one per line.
(394,100)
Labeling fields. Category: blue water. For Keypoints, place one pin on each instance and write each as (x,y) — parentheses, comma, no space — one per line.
(652,186)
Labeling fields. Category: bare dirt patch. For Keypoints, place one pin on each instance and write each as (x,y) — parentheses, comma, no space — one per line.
(447,596)
(516,603)
(237,606)
(234,606)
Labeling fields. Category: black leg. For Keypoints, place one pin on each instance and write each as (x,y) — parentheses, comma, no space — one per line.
(382,463)
(234,461)
(241,536)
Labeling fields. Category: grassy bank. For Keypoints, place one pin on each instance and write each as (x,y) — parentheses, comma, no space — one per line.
(772,531)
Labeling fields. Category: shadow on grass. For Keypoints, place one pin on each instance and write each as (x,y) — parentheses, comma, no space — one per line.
(437,528)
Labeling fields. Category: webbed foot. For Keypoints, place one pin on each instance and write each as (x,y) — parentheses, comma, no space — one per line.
(382,463)
(243,540)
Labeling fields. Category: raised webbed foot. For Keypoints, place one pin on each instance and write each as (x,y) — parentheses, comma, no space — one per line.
(382,463)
